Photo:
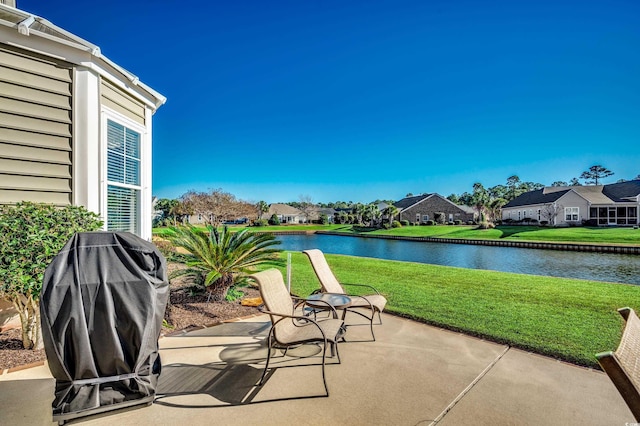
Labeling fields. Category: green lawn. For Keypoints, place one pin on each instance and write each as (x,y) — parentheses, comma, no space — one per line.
(580,234)
(568,319)
(517,233)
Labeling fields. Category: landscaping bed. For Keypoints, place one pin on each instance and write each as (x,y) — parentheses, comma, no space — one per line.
(187,308)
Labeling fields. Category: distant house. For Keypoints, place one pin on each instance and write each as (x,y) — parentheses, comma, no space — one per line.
(286,213)
(426,207)
(602,205)
(75,127)
(314,215)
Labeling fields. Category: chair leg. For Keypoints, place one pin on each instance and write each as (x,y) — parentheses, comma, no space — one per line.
(373,315)
(324,357)
(266,366)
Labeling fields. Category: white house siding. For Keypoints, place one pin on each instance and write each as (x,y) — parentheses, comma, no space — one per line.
(35,128)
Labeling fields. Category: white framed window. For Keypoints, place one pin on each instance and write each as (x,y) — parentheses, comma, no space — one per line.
(571,213)
(199,217)
(123,174)
(425,217)
(417,217)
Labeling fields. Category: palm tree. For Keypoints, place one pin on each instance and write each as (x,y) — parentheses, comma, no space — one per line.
(262,207)
(221,258)
(480,200)
(391,211)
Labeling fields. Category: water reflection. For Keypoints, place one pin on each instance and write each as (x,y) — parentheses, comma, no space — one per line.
(591,266)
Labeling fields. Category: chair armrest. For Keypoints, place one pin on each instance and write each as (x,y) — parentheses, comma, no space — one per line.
(301,317)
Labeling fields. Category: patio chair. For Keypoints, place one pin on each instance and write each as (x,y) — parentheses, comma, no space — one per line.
(623,366)
(330,284)
(288,329)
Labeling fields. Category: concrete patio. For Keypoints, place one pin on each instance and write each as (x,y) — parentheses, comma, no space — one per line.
(413,374)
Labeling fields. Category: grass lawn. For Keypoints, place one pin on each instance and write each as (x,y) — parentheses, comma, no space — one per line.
(567,319)
(579,234)
(517,233)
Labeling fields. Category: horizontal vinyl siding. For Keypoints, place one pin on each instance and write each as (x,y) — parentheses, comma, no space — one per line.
(120,102)
(35,128)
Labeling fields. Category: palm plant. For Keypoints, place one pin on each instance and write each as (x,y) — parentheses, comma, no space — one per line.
(220,259)
(391,211)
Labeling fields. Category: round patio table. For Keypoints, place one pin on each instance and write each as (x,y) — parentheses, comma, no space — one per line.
(338,301)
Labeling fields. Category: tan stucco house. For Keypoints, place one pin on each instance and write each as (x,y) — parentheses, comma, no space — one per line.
(75,127)
(602,205)
(285,213)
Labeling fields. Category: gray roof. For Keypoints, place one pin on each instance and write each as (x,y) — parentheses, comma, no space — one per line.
(596,194)
(410,201)
(622,191)
(536,197)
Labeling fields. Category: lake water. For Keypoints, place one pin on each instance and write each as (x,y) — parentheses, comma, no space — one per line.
(619,268)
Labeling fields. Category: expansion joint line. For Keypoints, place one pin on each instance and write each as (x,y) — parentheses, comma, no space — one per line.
(468,388)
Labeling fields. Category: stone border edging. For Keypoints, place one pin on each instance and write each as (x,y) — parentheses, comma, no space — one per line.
(584,247)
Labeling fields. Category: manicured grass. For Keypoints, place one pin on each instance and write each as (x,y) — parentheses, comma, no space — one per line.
(567,319)
(579,234)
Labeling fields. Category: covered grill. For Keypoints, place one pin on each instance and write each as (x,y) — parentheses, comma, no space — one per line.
(102,305)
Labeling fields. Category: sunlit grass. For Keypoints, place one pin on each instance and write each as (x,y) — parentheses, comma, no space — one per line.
(564,318)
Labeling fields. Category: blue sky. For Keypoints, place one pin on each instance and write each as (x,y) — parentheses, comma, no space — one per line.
(364,100)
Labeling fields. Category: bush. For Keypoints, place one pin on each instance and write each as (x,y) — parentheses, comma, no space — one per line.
(428,223)
(273,220)
(405,223)
(457,222)
(260,222)
(396,224)
(324,219)
(31,235)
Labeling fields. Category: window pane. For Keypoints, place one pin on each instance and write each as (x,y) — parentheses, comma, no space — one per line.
(132,170)
(122,209)
(123,154)
(115,137)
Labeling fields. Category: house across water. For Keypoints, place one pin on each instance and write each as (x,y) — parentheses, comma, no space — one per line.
(593,205)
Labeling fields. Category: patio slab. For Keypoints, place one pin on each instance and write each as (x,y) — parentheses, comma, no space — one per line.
(413,374)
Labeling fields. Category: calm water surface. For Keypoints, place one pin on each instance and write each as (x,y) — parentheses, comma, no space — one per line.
(591,266)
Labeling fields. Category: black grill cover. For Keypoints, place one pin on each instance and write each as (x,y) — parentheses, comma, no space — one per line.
(102,304)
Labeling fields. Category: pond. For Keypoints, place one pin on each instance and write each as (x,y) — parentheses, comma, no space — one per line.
(621,268)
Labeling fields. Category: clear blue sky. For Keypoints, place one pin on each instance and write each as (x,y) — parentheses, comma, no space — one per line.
(363,100)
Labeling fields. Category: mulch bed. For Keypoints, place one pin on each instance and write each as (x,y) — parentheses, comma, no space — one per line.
(187,308)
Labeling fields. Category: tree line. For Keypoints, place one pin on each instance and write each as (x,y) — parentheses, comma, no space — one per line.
(218,206)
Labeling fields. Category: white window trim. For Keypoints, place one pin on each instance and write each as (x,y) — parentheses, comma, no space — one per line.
(144,222)
(570,212)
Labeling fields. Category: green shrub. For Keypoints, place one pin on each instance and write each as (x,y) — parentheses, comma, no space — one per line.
(405,223)
(324,219)
(260,222)
(396,224)
(273,220)
(31,235)
(457,222)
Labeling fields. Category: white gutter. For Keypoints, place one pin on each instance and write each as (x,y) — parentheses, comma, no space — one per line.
(24,28)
